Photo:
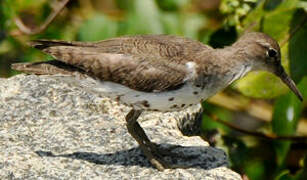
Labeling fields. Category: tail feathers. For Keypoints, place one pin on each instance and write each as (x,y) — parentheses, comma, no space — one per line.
(43,43)
(47,68)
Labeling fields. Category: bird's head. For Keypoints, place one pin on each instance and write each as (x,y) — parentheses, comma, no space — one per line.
(263,53)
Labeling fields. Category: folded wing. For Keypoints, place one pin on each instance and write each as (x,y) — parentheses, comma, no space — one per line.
(144,63)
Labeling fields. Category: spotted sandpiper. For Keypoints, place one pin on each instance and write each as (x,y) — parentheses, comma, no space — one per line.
(158,72)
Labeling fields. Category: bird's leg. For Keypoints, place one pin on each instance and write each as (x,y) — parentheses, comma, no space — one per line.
(148,148)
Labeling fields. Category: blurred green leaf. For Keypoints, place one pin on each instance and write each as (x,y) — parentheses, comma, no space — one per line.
(99,27)
(283,175)
(255,169)
(298,46)
(148,14)
(265,21)
(287,111)
(277,23)
(171,5)
(188,25)
(171,23)
(271,4)
(142,18)
(28,4)
(253,85)
(191,24)
(2,22)
(124,4)
(6,14)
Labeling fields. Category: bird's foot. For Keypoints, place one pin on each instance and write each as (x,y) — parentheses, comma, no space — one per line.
(155,155)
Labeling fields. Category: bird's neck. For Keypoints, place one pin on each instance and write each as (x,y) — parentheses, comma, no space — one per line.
(235,61)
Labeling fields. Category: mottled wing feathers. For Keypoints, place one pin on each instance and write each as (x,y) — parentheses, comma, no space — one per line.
(147,63)
(139,73)
(152,45)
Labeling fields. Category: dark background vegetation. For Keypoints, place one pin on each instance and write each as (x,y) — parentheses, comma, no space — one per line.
(262,112)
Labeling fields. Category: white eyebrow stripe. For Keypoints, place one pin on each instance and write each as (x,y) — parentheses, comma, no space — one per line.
(265,44)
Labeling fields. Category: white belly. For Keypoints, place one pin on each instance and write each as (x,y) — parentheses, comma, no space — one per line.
(175,100)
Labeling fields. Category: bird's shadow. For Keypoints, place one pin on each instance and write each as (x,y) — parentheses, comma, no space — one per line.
(189,157)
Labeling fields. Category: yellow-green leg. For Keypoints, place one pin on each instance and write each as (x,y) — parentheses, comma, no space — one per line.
(148,148)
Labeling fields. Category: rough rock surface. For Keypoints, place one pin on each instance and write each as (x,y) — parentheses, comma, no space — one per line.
(53,130)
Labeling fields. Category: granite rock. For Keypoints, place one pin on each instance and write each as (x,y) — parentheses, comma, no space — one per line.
(51,129)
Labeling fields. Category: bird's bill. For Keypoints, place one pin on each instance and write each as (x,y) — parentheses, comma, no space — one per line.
(289,82)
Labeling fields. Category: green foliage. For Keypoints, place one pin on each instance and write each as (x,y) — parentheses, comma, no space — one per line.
(98,27)
(261,85)
(235,10)
(287,111)
(300,175)
(297,46)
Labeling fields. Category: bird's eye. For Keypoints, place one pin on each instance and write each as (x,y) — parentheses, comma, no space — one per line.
(272,53)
